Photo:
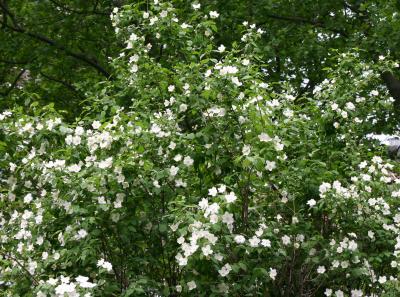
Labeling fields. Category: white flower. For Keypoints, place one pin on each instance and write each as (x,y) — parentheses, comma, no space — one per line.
(350,106)
(371,234)
(228,70)
(254,241)
(178,157)
(356,293)
(366,177)
(203,204)
(328,292)
(279,146)
(79,131)
(221,48)
(134,68)
(28,198)
(104,264)
(191,285)
(207,250)
(231,197)
(182,107)
(236,81)
(196,6)
(222,189)
(82,233)
(270,165)
(324,187)
(245,62)
(133,37)
(118,201)
(52,281)
(224,271)
(107,163)
(213,219)
(352,245)
(173,170)
(96,125)
(363,164)
(83,282)
(321,269)
(339,293)
(272,273)
(227,218)
(212,209)
(171,88)
(239,239)
(132,59)
(382,279)
(213,192)
(188,161)
(311,202)
(264,137)
(266,243)
(374,93)
(218,257)
(246,150)
(182,261)
(74,168)
(101,200)
(288,113)
(178,288)
(163,14)
(185,26)
(214,14)
(285,240)
(153,20)
(65,288)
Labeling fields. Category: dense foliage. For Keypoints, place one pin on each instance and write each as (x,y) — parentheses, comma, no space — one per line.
(194,164)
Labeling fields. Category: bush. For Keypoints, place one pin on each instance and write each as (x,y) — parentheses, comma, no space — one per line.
(191,175)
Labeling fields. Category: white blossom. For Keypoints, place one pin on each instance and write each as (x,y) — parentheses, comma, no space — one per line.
(224,271)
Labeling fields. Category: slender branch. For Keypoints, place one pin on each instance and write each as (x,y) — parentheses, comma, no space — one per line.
(79,56)
(7,12)
(14,62)
(64,83)
(14,83)
(297,19)
(31,276)
(66,8)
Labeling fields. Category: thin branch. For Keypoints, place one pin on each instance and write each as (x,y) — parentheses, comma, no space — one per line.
(296,19)
(64,83)
(7,12)
(66,8)
(79,56)
(9,89)
(31,276)
(14,62)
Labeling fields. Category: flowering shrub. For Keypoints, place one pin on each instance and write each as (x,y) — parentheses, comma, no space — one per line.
(191,175)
